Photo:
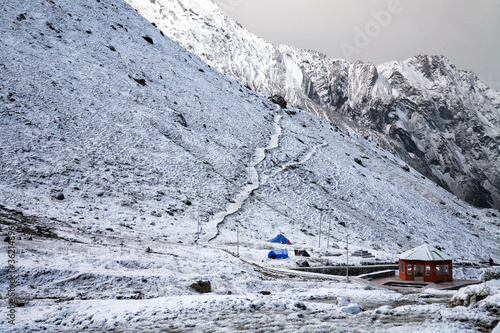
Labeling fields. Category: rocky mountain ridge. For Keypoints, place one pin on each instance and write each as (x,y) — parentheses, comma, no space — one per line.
(442,121)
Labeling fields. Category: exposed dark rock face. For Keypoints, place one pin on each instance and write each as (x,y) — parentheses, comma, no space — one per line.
(148,39)
(448,124)
(202,287)
(276,99)
(442,121)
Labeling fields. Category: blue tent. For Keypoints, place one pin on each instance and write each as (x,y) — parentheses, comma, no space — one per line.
(278,254)
(280,239)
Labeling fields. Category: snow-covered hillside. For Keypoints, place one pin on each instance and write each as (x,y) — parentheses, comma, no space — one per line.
(442,121)
(117,146)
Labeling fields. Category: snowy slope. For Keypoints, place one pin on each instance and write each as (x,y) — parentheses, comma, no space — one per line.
(113,138)
(376,98)
(126,153)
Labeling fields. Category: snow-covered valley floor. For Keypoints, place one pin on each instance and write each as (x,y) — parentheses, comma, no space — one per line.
(118,285)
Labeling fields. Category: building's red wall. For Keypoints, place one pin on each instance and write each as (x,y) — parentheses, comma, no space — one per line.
(433,277)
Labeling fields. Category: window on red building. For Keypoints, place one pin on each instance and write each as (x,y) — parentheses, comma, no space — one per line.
(441,269)
(408,269)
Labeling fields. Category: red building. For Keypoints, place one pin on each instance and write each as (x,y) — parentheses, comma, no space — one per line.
(425,264)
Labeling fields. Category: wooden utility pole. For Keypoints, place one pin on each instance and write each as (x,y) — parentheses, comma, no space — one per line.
(347,267)
(328,239)
(319,240)
(237,238)
(199,220)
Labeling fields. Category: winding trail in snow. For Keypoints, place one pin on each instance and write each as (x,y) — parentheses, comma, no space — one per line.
(287,166)
(211,228)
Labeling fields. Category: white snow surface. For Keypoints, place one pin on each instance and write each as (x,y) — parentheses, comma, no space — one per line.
(425,253)
(442,121)
(110,145)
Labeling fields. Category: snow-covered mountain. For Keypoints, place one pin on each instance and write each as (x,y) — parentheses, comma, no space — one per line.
(441,120)
(127,166)
(116,123)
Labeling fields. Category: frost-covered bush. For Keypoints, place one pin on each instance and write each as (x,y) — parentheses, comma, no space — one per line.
(492,274)
(485,295)
(470,295)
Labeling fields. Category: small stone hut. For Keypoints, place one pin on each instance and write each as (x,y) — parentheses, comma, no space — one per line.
(425,264)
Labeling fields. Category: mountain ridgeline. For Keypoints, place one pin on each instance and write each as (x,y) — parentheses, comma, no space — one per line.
(442,121)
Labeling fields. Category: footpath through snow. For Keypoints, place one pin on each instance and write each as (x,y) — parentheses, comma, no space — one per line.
(211,230)
(253,183)
(306,158)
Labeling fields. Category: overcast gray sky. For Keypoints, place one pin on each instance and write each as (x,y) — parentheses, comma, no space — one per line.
(465,31)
